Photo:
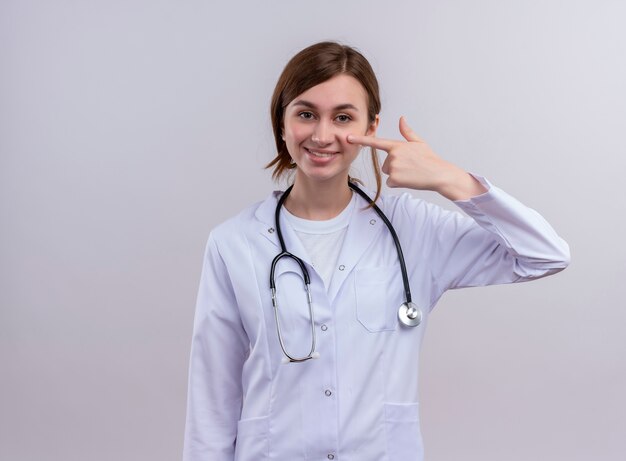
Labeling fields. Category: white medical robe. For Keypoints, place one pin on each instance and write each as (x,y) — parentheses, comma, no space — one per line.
(359,400)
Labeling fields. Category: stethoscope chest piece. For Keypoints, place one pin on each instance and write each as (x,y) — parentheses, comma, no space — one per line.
(409,314)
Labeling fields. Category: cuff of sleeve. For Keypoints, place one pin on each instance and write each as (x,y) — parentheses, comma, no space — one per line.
(484,197)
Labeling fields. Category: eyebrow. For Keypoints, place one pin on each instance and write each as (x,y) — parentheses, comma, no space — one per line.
(310,105)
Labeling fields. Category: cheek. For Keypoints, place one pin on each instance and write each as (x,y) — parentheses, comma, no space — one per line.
(350,149)
(295,132)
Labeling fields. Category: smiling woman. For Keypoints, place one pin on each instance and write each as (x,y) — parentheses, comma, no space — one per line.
(315,131)
(319,64)
(348,387)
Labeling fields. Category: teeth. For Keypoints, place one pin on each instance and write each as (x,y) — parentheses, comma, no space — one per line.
(320,154)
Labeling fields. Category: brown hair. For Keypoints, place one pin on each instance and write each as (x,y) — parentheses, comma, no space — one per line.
(312,66)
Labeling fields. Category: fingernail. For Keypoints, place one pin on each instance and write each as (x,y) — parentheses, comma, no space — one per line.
(350,138)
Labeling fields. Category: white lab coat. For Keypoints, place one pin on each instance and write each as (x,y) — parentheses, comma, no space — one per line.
(359,400)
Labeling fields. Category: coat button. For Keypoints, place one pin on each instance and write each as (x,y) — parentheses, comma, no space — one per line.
(331,456)
(372,221)
(324,327)
(271,230)
(342,267)
(328,392)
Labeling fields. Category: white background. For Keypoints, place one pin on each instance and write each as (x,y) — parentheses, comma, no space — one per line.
(128,129)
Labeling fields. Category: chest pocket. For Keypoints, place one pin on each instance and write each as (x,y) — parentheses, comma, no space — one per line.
(378,291)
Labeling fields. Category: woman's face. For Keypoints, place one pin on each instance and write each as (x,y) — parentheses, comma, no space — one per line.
(317,123)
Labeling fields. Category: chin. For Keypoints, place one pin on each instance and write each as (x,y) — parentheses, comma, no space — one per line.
(320,177)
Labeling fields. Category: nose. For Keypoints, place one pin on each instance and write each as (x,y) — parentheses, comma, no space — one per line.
(322,134)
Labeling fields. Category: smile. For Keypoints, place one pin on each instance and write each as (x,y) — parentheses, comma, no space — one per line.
(320,154)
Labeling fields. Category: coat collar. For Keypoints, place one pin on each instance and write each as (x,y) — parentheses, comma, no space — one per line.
(363,227)
(265,213)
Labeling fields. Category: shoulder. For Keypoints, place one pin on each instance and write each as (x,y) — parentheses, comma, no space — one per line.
(407,205)
(234,226)
(419,216)
(236,230)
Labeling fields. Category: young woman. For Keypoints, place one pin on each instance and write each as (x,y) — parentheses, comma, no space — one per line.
(308,326)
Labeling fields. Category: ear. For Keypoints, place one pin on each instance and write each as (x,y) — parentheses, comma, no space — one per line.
(371,129)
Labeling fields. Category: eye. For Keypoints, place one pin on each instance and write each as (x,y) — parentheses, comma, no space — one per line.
(343,118)
(306,115)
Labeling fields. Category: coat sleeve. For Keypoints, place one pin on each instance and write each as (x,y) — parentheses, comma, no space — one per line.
(502,241)
(218,350)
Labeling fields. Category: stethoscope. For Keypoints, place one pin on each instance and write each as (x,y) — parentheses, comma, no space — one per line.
(408,313)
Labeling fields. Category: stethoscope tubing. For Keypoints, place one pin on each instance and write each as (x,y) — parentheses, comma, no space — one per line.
(284,253)
(408,313)
(396,240)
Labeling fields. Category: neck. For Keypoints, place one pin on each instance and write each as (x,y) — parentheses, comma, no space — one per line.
(318,201)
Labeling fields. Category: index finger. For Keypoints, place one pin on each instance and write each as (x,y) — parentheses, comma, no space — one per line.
(377,143)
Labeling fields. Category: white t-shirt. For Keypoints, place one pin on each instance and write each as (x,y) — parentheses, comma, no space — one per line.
(323,239)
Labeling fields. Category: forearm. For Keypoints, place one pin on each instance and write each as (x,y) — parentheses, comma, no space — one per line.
(457,184)
(530,240)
